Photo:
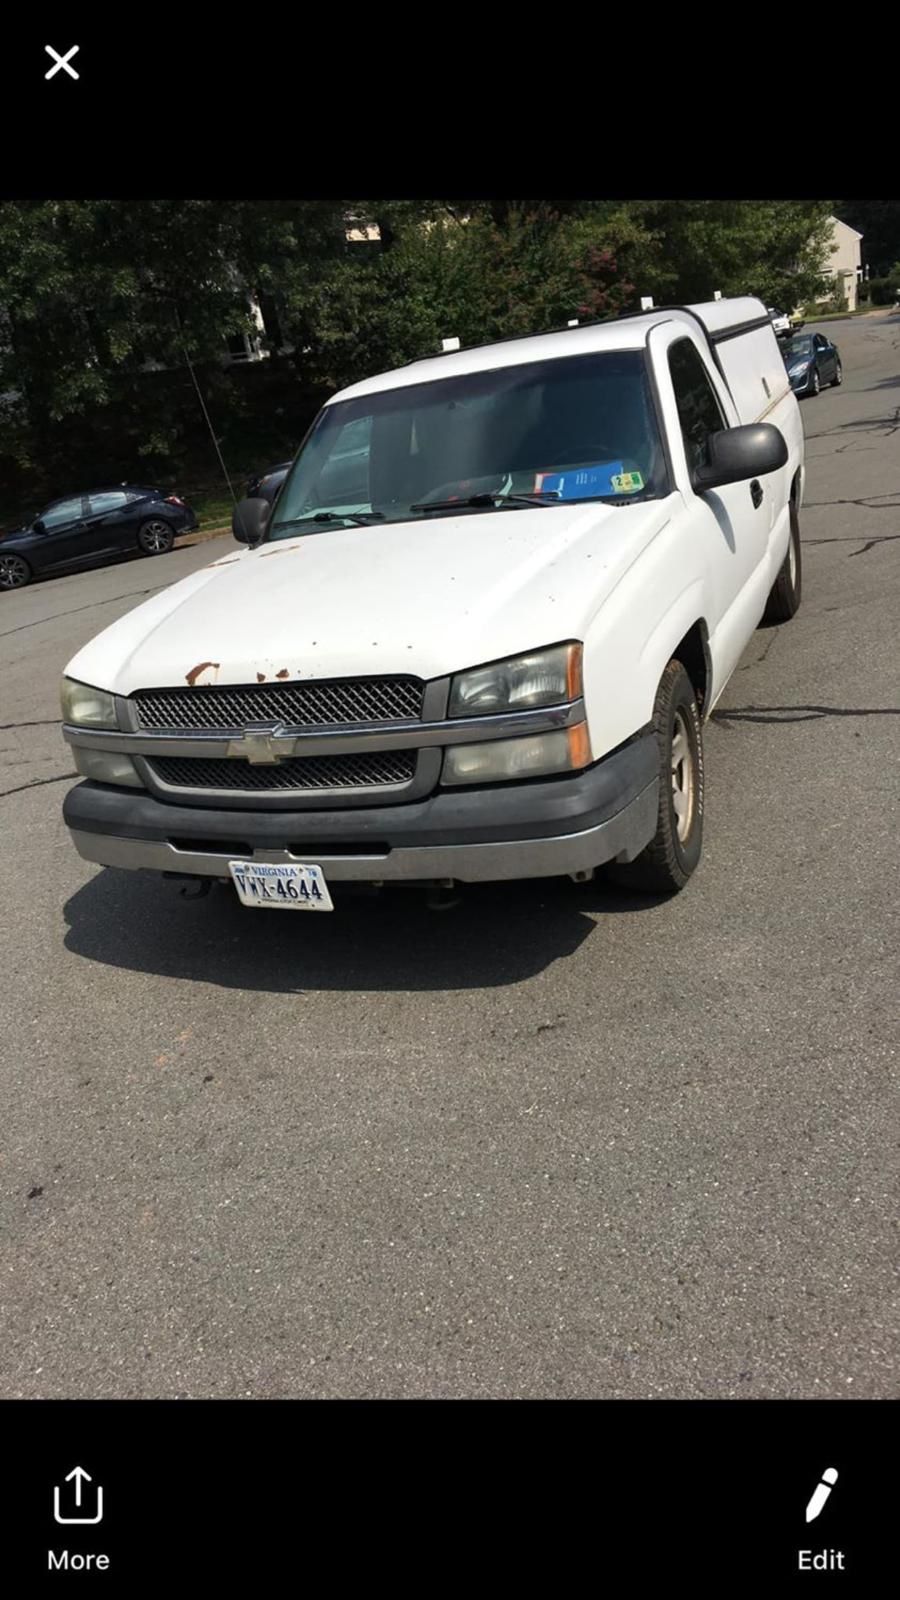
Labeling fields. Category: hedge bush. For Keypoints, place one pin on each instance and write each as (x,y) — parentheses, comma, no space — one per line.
(885,291)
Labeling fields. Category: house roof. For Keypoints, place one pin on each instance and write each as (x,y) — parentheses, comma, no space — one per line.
(855,231)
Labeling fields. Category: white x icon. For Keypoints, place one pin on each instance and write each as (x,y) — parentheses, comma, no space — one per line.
(61,61)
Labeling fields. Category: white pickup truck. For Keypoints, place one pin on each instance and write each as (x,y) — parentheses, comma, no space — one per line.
(478,634)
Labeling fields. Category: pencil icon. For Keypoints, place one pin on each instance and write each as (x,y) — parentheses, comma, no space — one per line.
(821,1493)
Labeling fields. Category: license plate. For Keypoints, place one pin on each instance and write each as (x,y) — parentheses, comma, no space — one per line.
(291,888)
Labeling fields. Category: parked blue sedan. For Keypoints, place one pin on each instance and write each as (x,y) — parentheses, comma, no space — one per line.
(812,362)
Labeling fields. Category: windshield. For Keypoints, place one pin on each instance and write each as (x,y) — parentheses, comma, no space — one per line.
(797,347)
(577,428)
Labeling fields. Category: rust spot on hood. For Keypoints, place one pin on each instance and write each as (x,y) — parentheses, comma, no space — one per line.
(260,677)
(283,673)
(192,676)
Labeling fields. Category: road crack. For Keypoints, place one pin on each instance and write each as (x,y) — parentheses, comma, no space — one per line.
(133,594)
(868,503)
(776,714)
(37,783)
(869,545)
(46,722)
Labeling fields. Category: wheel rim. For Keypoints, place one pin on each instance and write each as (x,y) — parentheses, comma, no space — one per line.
(155,536)
(815,383)
(683,780)
(840,373)
(13,572)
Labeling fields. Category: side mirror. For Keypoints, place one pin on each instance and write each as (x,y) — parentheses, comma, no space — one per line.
(736,454)
(38,525)
(248,520)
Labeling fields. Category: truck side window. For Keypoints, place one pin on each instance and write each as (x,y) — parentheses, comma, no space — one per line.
(699,411)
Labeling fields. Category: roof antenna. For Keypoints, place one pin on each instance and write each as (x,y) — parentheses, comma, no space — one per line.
(646,302)
(572,323)
(449,344)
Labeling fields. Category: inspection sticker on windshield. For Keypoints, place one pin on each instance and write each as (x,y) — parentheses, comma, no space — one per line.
(290,888)
(626,482)
(582,482)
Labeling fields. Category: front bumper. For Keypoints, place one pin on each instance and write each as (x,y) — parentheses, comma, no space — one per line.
(527,830)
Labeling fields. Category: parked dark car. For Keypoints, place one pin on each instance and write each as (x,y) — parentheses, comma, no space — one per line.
(812,362)
(83,529)
(345,479)
(267,484)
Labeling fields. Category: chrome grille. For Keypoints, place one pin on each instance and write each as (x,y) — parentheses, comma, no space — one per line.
(298,705)
(365,770)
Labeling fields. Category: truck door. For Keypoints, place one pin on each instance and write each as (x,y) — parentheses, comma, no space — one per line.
(734,522)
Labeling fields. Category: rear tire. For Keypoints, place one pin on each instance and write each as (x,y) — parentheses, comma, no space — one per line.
(155,538)
(785,594)
(670,858)
(14,571)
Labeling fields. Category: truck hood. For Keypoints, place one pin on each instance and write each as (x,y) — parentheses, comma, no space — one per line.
(428,598)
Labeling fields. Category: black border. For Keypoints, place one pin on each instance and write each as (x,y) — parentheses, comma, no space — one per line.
(710,1493)
(699,1491)
(313,106)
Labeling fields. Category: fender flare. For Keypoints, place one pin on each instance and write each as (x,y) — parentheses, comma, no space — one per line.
(685,612)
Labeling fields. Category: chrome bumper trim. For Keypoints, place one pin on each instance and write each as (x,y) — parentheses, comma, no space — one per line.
(348,738)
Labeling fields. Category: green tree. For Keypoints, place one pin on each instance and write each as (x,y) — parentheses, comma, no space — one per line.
(773,249)
(456,270)
(91,289)
(487,270)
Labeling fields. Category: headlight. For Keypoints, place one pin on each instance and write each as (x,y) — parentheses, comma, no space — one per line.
(543,678)
(106,766)
(502,760)
(86,707)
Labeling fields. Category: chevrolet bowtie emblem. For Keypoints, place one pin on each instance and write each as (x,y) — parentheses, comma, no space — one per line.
(260,745)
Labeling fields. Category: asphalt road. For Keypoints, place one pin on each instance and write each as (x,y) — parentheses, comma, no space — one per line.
(556,1142)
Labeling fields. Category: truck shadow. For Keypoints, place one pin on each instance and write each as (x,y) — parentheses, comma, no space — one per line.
(497,934)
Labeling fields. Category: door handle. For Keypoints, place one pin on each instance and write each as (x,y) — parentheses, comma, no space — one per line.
(756,493)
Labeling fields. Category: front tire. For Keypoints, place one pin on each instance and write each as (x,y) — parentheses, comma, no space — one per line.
(815,383)
(14,571)
(670,858)
(155,538)
(838,376)
(785,594)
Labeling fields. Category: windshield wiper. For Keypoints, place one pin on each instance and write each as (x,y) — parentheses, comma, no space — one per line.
(540,497)
(489,500)
(361,518)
